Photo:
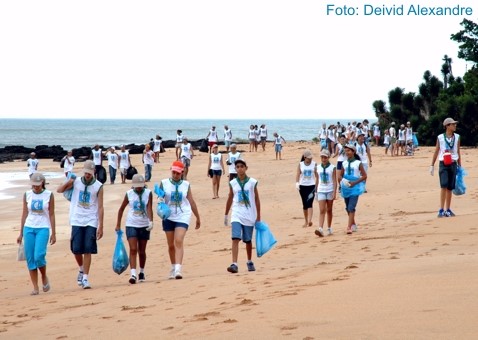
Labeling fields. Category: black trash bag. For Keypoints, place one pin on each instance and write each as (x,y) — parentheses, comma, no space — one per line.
(131,172)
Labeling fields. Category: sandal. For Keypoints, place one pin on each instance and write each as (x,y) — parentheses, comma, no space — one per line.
(349,231)
(34,292)
(46,287)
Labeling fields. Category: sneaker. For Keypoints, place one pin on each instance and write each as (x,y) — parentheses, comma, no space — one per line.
(85,284)
(142,278)
(329,231)
(178,275)
(232,269)
(450,213)
(354,228)
(441,213)
(250,266)
(132,279)
(79,279)
(319,232)
(172,274)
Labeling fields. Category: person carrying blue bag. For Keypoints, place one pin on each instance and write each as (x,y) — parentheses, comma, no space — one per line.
(139,223)
(246,212)
(352,178)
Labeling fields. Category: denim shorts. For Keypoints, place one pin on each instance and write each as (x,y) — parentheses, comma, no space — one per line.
(83,240)
(241,232)
(351,203)
(217,173)
(186,161)
(169,225)
(325,196)
(139,233)
(278,147)
(447,175)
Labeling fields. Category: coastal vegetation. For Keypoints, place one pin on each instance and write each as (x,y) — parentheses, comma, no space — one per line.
(440,96)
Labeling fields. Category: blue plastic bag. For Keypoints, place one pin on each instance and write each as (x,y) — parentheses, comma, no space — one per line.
(357,190)
(120,257)
(162,209)
(415,140)
(264,238)
(67,193)
(460,187)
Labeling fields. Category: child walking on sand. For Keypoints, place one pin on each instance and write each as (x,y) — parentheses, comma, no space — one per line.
(278,139)
(246,211)
(326,184)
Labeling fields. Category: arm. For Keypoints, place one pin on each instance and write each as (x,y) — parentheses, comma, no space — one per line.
(23,219)
(208,166)
(229,200)
(101,214)
(51,210)
(297,175)
(437,150)
(369,155)
(341,174)
(334,178)
(222,166)
(459,152)
(194,208)
(120,212)
(258,203)
(65,186)
(149,208)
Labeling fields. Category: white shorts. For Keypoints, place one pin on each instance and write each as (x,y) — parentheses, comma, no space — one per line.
(325,196)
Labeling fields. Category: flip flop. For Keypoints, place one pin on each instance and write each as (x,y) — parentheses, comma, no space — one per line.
(46,287)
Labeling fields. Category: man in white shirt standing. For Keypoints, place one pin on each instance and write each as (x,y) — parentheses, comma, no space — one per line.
(32,164)
(227,137)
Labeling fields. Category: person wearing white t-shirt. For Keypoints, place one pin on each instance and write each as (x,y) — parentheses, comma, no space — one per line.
(326,184)
(376,134)
(246,212)
(212,138)
(232,157)
(263,135)
(179,140)
(113,163)
(215,170)
(305,183)
(124,163)
(227,137)
(393,138)
(68,163)
(278,139)
(148,161)
(187,154)
(157,147)
(32,164)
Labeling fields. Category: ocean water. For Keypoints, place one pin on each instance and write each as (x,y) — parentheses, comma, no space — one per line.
(74,133)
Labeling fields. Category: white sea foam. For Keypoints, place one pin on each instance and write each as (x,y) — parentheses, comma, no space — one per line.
(11,180)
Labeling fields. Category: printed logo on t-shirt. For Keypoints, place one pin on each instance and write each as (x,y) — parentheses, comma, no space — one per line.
(307,173)
(176,197)
(138,208)
(215,159)
(243,197)
(84,199)
(37,206)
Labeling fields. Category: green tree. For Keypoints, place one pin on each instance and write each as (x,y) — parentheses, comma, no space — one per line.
(468,40)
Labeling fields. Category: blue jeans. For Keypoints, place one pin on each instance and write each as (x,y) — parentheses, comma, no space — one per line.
(147,172)
(35,241)
(112,174)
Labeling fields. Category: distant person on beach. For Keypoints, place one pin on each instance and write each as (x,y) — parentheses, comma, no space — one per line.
(323,136)
(97,157)
(179,141)
(124,163)
(246,212)
(393,138)
(263,135)
(113,163)
(212,138)
(38,219)
(409,138)
(227,137)
(139,223)
(215,170)
(232,157)
(376,134)
(326,184)
(32,164)
(68,163)
(351,177)
(148,161)
(179,198)
(331,140)
(187,154)
(86,219)
(157,147)
(305,180)
(447,150)
(340,153)
(257,134)
(386,141)
(252,138)
(363,151)
(278,139)
(401,141)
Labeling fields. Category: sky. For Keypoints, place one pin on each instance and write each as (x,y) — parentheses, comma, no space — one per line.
(215,59)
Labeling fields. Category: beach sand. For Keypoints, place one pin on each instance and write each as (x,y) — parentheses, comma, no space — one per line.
(404,274)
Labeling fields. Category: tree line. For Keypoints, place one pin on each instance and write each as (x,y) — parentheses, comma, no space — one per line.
(439,97)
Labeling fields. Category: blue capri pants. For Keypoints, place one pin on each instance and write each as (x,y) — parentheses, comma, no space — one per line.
(35,241)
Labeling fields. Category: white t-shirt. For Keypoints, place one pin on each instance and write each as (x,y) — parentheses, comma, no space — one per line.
(326,178)
(448,144)
(243,212)
(113,160)
(231,158)
(212,136)
(227,135)
(148,158)
(157,145)
(69,163)
(124,159)
(137,217)
(401,134)
(38,209)
(97,156)
(176,198)
(307,176)
(32,164)
(84,203)
(362,152)
(186,150)
(179,139)
(376,130)
(341,154)
(216,161)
